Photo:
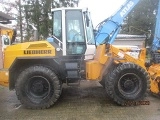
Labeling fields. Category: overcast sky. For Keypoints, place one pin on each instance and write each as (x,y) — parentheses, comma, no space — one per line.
(101,9)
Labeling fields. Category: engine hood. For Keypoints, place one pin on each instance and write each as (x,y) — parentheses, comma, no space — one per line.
(28,49)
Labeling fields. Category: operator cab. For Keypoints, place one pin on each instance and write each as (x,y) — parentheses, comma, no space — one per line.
(72,31)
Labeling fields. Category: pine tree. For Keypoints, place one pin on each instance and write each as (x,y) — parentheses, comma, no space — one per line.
(142,18)
(38,13)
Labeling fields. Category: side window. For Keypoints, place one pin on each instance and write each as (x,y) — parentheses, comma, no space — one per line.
(5,40)
(57,24)
(90,36)
(89,30)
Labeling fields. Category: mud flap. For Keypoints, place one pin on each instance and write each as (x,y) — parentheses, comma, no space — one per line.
(155,87)
(4,77)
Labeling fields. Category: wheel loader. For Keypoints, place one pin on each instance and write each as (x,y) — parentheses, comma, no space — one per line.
(8,35)
(37,70)
(154,66)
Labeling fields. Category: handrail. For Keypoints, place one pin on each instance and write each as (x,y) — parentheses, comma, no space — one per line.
(59,44)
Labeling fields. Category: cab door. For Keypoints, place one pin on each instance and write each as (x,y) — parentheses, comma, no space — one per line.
(75,35)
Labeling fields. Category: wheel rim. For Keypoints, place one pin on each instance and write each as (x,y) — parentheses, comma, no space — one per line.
(38,88)
(129,85)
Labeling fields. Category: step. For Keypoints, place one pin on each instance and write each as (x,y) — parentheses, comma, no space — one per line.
(73,82)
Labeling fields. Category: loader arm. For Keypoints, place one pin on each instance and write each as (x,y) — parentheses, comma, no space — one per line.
(108,29)
(156,40)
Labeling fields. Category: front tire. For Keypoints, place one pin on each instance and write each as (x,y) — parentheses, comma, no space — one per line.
(38,87)
(127,83)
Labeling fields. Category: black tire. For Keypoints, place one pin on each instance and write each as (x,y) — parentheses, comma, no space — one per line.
(102,82)
(38,87)
(127,84)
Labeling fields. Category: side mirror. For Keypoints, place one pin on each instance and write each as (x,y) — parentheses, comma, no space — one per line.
(87,20)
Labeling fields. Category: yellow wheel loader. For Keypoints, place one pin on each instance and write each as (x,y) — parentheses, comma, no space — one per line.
(154,65)
(154,71)
(8,35)
(37,70)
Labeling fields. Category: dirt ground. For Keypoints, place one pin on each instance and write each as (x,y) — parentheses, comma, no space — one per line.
(86,102)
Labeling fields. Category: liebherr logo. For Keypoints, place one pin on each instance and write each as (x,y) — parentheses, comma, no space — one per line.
(37,52)
(127,8)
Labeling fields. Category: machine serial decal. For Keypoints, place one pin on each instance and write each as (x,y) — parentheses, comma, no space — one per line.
(37,51)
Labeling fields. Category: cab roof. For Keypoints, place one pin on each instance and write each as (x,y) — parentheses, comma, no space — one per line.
(3,26)
(69,8)
(5,18)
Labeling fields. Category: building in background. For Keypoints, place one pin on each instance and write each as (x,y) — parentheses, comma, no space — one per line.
(132,40)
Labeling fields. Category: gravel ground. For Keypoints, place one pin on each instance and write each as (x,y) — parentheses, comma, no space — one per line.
(86,102)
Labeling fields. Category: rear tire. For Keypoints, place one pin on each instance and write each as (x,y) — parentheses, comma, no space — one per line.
(38,87)
(127,83)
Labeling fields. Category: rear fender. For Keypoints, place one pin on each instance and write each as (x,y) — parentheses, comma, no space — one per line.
(4,77)
(22,63)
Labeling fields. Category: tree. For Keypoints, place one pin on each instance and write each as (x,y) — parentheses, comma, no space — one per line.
(8,7)
(35,13)
(11,8)
(142,18)
(38,14)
